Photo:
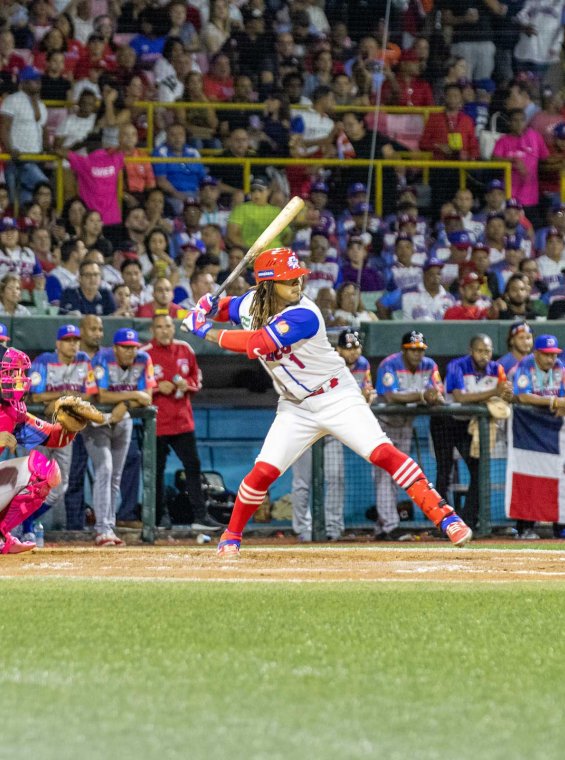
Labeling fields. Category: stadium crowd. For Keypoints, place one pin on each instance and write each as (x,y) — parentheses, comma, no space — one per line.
(142,239)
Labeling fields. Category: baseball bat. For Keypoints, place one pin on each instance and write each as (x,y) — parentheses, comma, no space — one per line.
(282,220)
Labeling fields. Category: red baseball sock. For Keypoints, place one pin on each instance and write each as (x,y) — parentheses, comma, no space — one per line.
(251,494)
(408,475)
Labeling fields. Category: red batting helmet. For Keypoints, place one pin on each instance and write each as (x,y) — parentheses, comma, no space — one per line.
(278,264)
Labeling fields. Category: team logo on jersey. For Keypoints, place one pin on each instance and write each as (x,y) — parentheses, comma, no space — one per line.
(388,379)
(99,373)
(292,262)
(282,327)
(523,381)
(183,367)
(158,370)
(35,378)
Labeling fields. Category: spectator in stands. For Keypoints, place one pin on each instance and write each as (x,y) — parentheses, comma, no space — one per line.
(322,73)
(10,62)
(154,211)
(65,275)
(211,212)
(495,237)
(343,90)
(178,377)
(513,255)
(463,201)
(430,300)
(10,295)
(138,177)
(42,246)
(181,27)
(525,148)
(519,341)
(469,295)
(136,225)
(293,85)
(541,37)
(218,83)
(471,379)
(239,119)
(55,86)
(202,123)
(323,272)
(122,299)
(73,130)
(449,136)
(217,31)
(157,260)
(248,47)
(455,68)
(407,88)
(537,289)
(552,261)
(356,269)
(43,196)
(23,119)
(162,302)
(178,181)
(553,165)
(150,43)
(248,219)
(472,34)
(201,283)
(96,55)
(516,300)
(88,297)
(349,311)
(132,275)
(237,146)
(403,275)
(92,235)
(19,259)
(190,251)
(550,116)
(319,127)
(495,199)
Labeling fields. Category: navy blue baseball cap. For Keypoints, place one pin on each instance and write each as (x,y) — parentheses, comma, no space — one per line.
(4,337)
(495,184)
(209,180)
(125,336)
(460,239)
(487,85)
(68,331)
(559,131)
(28,74)
(356,187)
(512,242)
(433,263)
(514,203)
(547,344)
(319,187)
(8,223)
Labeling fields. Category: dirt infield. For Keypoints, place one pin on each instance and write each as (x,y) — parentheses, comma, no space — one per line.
(303,564)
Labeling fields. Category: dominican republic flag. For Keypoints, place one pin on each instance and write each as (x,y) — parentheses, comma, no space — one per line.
(535,469)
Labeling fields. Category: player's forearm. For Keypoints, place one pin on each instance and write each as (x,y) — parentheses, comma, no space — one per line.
(46,397)
(405,397)
(114,397)
(533,400)
(461,397)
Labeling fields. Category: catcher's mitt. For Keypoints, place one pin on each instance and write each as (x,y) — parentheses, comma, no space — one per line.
(73,414)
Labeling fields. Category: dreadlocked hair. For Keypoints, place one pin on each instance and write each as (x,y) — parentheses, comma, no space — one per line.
(263,306)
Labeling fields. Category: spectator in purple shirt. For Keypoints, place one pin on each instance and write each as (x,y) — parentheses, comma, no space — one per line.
(355,269)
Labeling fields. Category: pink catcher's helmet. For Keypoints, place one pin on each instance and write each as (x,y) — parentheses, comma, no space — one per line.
(14,383)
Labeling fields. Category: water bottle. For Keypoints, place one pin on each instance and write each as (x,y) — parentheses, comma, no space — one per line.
(39,535)
(178,392)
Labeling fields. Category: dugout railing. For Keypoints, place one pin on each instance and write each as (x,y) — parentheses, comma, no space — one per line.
(148,415)
(458,489)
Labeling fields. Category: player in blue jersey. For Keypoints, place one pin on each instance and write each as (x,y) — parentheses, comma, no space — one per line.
(285,331)
(349,348)
(407,377)
(63,372)
(470,379)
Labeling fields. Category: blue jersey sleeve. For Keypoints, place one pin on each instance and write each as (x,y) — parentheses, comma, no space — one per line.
(38,374)
(233,308)
(454,378)
(392,300)
(53,288)
(31,433)
(387,378)
(292,327)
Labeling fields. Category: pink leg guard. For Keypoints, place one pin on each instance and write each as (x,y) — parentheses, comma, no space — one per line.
(44,475)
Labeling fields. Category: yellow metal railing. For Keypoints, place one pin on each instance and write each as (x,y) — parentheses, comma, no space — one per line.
(423,163)
(151,105)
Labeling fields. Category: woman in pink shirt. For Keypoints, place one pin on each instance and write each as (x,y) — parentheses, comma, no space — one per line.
(525,148)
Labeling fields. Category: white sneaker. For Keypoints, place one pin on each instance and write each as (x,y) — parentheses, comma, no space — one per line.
(528,535)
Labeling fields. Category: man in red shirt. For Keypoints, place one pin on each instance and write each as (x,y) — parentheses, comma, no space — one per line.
(469,290)
(162,303)
(407,88)
(450,136)
(178,377)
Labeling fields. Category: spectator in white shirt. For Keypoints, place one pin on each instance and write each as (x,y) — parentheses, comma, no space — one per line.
(23,117)
(73,130)
(323,272)
(552,262)
(66,274)
(319,128)
(430,300)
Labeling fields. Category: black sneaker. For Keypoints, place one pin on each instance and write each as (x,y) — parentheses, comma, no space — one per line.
(396,534)
(207,523)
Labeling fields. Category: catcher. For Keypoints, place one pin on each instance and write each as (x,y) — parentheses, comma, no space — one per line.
(26,481)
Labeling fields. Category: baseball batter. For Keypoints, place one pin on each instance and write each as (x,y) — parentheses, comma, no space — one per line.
(54,374)
(25,482)
(349,348)
(285,331)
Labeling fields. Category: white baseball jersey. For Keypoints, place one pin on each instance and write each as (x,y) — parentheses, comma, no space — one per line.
(304,360)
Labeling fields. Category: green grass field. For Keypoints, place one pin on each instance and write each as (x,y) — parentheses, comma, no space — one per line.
(96,669)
